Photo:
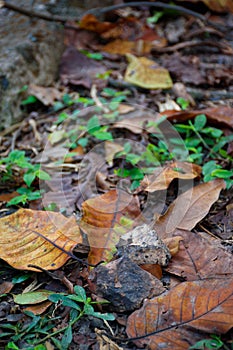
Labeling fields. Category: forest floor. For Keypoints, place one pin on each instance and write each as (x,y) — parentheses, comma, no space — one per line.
(116,202)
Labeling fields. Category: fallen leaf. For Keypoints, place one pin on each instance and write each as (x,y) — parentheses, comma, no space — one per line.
(137,121)
(146,73)
(78,69)
(124,108)
(184,68)
(199,257)
(34,237)
(123,47)
(173,244)
(32,297)
(189,208)
(153,269)
(161,178)
(105,219)
(111,148)
(46,95)
(90,22)
(178,317)
(5,287)
(39,308)
(5,197)
(221,115)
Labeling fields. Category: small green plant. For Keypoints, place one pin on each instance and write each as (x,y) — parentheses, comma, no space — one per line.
(18,159)
(202,141)
(34,332)
(28,332)
(211,170)
(25,195)
(214,343)
(95,129)
(155,18)
(94,55)
(184,104)
(80,305)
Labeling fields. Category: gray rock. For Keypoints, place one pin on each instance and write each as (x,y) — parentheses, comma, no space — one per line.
(124,284)
(30,51)
(143,246)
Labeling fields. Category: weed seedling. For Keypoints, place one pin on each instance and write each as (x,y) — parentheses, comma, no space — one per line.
(17,159)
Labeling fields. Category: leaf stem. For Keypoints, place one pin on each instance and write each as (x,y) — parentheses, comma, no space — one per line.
(60,330)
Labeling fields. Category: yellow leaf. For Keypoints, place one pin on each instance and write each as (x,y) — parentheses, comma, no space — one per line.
(147,74)
(38,238)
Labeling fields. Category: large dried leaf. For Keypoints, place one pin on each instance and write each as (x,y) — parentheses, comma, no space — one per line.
(105,219)
(123,47)
(161,178)
(189,208)
(221,115)
(78,69)
(147,74)
(200,256)
(34,237)
(179,315)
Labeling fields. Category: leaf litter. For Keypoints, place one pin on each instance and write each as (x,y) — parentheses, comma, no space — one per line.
(103,193)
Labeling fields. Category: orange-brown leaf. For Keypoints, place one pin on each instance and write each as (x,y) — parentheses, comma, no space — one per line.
(189,208)
(161,179)
(105,219)
(200,256)
(90,22)
(178,316)
(29,236)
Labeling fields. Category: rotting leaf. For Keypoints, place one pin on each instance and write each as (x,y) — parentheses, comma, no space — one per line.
(189,208)
(161,179)
(199,257)
(147,74)
(105,219)
(32,298)
(178,316)
(33,237)
(78,69)
(123,47)
(220,115)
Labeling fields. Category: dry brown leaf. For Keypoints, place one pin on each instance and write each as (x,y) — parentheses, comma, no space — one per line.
(39,308)
(161,178)
(199,257)
(178,316)
(78,69)
(173,244)
(6,287)
(111,148)
(221,115)
(153,269)
(29,235)
(46,95)
(146,73)
(90,22)
(189,208)
(123,47)
(138,124)
(105,219)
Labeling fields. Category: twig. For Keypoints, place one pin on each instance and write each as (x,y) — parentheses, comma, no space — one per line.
(222,46)
(157,4)
(99,11)
(32,13)
(97,101)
